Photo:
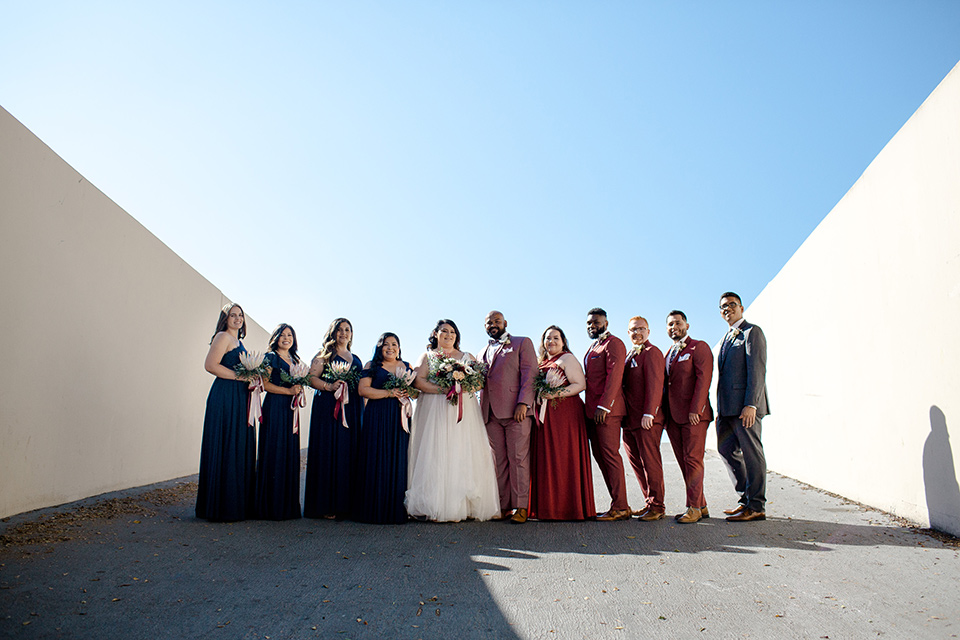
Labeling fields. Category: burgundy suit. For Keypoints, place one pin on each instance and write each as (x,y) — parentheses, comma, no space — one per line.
(687,390)
(603,366)
(643,393)
(510,381)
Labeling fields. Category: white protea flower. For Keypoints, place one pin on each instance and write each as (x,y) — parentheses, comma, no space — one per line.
(555,378)
(251,360)
(339,368)
(402,373)
(299,370)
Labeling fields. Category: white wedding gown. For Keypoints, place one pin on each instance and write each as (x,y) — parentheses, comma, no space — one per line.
(451,475)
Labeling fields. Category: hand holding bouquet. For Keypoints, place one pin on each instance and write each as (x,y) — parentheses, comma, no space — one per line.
(252,368)
(402,379)
(456,378)
(299,377)
(345,377)
(549,383)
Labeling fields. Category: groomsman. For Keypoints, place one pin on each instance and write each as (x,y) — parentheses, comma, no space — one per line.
(689,369)
(643,424)
(741,403)
(603,366)
(505,403)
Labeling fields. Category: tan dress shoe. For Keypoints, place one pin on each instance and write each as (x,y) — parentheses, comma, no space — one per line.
(692,515)
(651,515)
(748,515)
(519,517)
(615,514)
(733,512)
(704,513)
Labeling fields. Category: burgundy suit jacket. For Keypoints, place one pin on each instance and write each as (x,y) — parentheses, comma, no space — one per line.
(603,366)
(643,386)
(510,379)
(688,383)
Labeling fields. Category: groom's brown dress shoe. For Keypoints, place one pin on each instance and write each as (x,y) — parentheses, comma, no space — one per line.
(692,515)
(733,512)
(519,517)
(704,513)
(615,514)
(651,515)
(748,515)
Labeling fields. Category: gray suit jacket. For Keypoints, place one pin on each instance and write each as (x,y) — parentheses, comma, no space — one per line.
(742,376)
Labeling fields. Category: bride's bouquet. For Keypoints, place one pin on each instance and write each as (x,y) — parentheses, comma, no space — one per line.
(547,383)
(346,378)
(299,374)
(402,378)
(456,378)
(253,368)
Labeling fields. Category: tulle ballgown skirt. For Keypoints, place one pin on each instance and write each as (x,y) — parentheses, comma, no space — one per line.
(451,473)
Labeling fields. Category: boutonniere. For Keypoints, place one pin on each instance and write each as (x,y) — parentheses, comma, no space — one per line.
(638,349)
(681,345)
(603,336)
(505,339)
(735,332)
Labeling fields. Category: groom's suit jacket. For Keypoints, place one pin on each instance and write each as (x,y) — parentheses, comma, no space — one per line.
(510,379)
(603,367)
(688,382)
(643,386)
(742,368)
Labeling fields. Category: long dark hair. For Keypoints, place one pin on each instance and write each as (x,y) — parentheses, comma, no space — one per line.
(275,341)
(222,321)
(378,350)
(432,342)
(563,340)
(329,350)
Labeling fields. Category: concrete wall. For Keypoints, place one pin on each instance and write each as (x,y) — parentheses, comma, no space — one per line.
(103,332)
(863,328)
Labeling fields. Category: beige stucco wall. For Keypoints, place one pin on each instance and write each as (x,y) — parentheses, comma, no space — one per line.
(103,333)
(863,328)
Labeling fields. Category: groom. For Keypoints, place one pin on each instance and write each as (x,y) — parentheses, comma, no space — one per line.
(506,403)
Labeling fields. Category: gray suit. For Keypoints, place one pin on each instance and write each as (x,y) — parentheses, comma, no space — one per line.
(742,367)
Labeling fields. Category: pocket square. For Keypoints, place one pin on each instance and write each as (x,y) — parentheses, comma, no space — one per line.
(510,350)
(685,356)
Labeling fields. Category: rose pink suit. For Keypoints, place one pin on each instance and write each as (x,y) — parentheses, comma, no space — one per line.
(603,366)
(510,381)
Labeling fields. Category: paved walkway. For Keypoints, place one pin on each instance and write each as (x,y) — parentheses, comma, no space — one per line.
(818,568)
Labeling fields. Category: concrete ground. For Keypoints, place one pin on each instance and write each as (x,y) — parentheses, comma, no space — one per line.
(137,564)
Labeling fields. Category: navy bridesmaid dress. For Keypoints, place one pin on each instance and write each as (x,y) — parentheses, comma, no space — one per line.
(278,453)
(381,459)
(228,450)
(332,454)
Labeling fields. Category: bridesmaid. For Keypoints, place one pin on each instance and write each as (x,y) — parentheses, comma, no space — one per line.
(560,471)
(278,452)
(382,450)
(228,447)
(333,447)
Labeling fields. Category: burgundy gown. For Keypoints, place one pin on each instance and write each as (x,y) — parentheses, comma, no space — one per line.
(561,478)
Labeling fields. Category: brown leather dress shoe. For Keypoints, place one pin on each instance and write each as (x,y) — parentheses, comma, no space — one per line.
(733,512)
(692,515)
(650,515)
(747,515)
(640,512)
(519,517)
(704,513)
(615,514)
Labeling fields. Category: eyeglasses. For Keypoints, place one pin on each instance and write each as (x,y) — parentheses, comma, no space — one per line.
(729,305)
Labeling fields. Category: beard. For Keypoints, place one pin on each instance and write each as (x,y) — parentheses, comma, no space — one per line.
(496,332)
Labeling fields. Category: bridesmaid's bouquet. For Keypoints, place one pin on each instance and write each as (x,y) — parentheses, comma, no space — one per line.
(402,378)
(548,382)
(346,377)
(252,366)
(299,374)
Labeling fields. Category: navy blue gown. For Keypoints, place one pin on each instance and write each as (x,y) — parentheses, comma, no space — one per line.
(332,454)
(278,453)
(381,459)
(228,450)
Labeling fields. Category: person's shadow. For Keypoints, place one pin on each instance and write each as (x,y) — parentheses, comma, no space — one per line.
(940,476)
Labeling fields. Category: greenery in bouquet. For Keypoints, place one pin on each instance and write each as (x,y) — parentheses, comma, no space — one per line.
(339,370)
(252,366)
(402,378)
(446,373)
(549,381)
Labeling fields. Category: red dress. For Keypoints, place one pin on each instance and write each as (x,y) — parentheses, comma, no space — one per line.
(560,469)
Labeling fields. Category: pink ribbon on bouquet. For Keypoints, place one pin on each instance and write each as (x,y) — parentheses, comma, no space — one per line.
(342,394)
(406,411)
(456,390)
(299,400)
(543,410)
(254,413)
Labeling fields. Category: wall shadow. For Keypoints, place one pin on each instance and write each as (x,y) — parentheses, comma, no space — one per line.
(940,476)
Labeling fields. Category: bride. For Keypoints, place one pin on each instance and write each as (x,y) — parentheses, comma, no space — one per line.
(451,475)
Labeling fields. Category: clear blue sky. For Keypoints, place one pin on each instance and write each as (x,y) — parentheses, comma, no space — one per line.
(398,162)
